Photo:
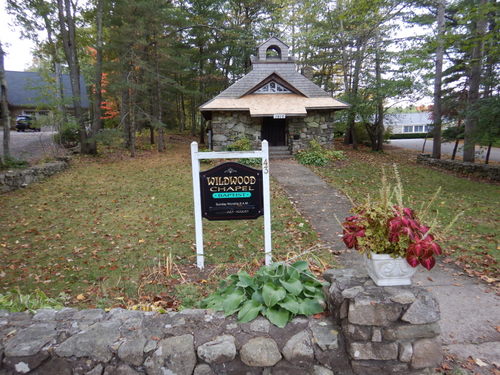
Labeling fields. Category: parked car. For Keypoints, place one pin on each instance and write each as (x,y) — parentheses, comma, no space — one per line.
(24,123)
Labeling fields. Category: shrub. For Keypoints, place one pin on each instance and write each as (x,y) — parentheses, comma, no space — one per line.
(13,163)
(69,133)
(317,155)
(279,292)
(244,144)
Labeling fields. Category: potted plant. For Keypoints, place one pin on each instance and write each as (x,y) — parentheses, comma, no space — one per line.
(392,237)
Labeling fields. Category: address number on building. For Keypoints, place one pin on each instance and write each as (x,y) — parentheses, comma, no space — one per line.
(279,115)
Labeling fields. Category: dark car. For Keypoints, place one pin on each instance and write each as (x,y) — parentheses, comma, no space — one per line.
(24,123)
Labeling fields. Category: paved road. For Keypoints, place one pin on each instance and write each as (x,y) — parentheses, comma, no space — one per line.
(446,148)
(470,311)
(31,146)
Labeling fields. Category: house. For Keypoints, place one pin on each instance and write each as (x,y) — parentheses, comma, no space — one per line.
(273,102)
(407,123)
(31,93)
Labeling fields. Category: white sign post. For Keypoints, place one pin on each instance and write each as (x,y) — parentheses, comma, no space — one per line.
(195,162)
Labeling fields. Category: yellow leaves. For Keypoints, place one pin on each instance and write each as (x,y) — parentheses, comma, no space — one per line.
(81,297)
(141,240)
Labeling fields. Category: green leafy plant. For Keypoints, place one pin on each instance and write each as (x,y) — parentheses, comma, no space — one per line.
(318,155)
(15,301)
(278,291)
(13,163)
(244,144)
(69,133)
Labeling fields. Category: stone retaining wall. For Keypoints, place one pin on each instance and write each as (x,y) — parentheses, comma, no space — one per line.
(489,171)
(19,178)
(387,330)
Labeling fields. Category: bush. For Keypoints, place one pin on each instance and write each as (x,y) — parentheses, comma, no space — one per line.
(13,163)
(279,292)
(317,155)
(244,144)
(69,134)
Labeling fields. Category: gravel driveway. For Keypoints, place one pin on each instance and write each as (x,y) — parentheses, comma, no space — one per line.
(31,146)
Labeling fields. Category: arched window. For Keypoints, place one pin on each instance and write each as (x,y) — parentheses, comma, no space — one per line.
(273,53)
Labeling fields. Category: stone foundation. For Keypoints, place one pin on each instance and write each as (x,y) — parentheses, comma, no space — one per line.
(387,330)
(19,178)
(489,171)
(372,330)
(227,127)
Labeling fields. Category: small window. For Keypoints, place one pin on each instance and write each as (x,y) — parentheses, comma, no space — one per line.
(419,129)
(408,129)
(273,87)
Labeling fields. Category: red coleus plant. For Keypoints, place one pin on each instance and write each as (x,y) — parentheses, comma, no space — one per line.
(391,230)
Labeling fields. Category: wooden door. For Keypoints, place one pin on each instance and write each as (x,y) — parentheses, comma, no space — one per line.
(274,131)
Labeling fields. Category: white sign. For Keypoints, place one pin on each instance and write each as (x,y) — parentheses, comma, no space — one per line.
(279,115)
(195,162)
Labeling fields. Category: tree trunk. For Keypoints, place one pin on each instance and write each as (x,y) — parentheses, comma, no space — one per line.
(474,82)
(436,147)
(455,148)
(351,118)
(124,112)
(97,116)
(67,26)
(158,107)
(379,124)
(4,109)
(487,160)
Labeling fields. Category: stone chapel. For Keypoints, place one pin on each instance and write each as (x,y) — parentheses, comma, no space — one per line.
(272,102)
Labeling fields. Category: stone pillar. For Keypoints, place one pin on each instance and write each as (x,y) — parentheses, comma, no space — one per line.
(387,330)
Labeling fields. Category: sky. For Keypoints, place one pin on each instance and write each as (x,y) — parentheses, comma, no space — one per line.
(18,51)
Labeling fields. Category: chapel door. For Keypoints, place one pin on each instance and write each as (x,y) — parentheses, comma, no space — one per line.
(274,131)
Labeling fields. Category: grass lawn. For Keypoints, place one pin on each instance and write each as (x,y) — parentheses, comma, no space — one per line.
(473,241)
(116,231)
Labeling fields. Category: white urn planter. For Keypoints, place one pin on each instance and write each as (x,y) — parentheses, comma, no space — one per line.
(388,271)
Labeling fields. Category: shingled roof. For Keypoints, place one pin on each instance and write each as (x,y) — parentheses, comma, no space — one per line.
(28,89)
(282,69)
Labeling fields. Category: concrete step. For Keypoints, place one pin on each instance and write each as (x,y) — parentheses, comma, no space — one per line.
(278,148)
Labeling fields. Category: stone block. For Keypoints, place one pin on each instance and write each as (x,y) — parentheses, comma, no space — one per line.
(175,354)
(379,368)
(203,369)
(31,340)
(325,334)
(354,332)
(94,343)
(260,352)
(377,335)
(299,350)
(424,310)
(132,350)
(426,353)
(411,331)
(222,349)
(372,312)
(405,351)
(373,350)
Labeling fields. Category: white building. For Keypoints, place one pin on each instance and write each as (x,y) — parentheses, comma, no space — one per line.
(407,123)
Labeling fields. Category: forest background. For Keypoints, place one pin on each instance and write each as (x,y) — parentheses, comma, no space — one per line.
(149,64)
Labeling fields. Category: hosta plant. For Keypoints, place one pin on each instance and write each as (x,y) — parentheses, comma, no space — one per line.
(386,226)
(278,291)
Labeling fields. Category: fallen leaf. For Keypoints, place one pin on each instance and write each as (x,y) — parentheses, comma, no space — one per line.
(480,363)
(80,297)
